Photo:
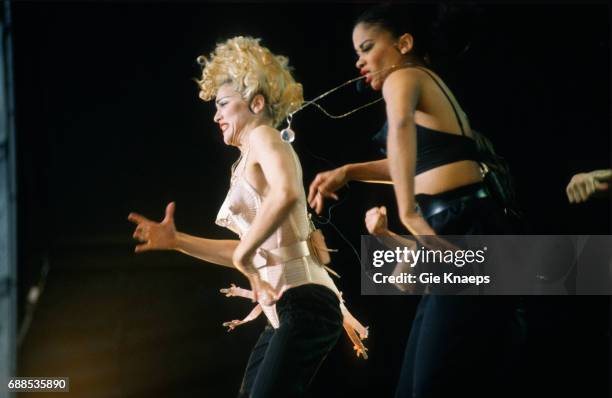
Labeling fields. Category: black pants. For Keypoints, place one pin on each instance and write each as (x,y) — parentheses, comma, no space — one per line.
(461,346)
(285,360)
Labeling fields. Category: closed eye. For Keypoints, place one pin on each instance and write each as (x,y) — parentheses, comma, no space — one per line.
(365,47)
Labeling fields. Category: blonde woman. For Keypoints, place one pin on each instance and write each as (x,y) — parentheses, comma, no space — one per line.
(266,206)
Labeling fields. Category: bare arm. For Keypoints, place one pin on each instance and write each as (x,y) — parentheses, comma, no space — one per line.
(376,171)
(214,251)
(326,183)
(164,236)
(401,91)
(278,166)
(602,175)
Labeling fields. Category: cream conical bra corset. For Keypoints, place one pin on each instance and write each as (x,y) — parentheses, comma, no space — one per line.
(283,260)
(243,202)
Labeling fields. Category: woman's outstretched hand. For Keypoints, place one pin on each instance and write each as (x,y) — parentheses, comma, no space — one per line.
(154,235)
(324,186)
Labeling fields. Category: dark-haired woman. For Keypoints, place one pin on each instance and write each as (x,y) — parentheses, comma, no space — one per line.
(458,345)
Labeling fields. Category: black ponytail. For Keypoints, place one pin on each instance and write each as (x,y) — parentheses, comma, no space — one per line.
(415,19)
(442,33)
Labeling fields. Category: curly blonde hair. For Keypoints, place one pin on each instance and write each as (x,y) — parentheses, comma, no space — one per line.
(251,69)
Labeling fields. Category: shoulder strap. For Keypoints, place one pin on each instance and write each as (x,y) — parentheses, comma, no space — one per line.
(241,161)
(447,97)
(245,159)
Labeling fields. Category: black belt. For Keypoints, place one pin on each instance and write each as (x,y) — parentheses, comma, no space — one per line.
(433,205)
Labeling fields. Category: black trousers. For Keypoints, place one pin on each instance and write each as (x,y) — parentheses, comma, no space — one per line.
(285,360)
(462,346)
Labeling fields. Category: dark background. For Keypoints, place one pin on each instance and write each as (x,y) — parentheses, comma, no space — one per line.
(108,122)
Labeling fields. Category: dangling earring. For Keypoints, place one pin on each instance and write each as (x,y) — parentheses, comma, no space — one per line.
(287,134)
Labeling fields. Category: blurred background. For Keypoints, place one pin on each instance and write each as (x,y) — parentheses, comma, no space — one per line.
(101,117)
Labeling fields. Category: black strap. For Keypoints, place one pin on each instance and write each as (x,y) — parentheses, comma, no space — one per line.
(447,97)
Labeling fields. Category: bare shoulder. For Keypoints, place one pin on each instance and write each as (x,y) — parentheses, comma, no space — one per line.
(265,135)
(405,80)
(404,75)
(264,140)
(402,89)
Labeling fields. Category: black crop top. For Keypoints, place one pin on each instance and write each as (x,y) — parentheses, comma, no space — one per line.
(436,148)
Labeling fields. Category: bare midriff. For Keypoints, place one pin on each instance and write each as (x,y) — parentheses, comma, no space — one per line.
(447,177)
